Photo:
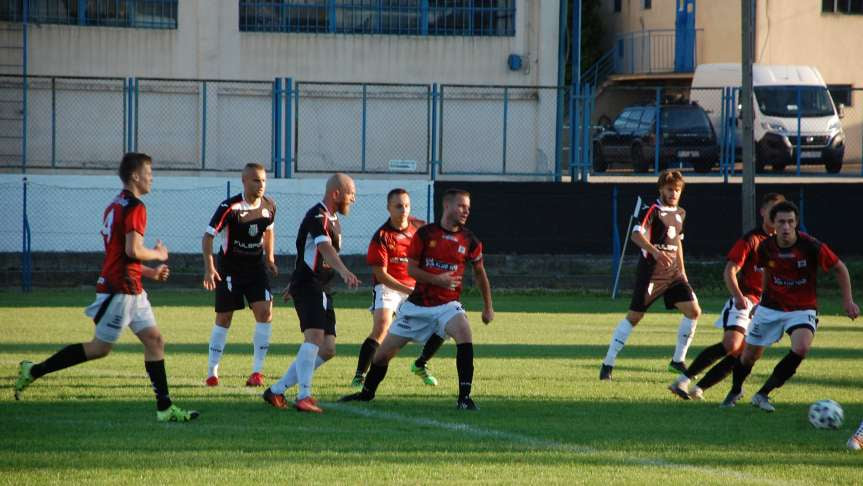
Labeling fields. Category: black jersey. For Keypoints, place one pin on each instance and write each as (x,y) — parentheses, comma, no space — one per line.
(318,226)
(242,228)
(663,227)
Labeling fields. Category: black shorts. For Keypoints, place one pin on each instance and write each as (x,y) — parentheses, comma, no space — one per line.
(314,308)
(646,291)
(237,288)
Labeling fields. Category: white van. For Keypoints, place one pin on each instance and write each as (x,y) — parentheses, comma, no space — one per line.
(778,90)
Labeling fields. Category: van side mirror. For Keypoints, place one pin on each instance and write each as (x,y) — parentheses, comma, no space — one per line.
(840,110)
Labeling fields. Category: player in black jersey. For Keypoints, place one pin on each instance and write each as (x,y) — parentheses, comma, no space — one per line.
(319,240)
(240,272)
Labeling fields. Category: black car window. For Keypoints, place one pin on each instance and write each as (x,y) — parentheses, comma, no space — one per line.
(633,119)
(647,119)
(685,120)
(620,121)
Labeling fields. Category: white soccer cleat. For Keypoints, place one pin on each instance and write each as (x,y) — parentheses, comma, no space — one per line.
(762,402)
(696,393)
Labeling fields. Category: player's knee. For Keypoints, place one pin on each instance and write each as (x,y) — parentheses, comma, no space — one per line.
(801,349)
(97,350)
(155,342)
(634,318)
(326,354)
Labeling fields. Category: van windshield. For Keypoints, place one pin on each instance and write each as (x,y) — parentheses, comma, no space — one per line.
(782,101)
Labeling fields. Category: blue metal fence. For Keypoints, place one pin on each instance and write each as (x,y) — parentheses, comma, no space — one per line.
(147,14)
(398,17)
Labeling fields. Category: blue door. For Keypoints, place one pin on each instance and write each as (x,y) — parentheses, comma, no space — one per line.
(684,37)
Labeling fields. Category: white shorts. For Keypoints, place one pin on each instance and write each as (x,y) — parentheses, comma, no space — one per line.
(386,298)
(731,317)
(113,312)
(769,324)
(418,323)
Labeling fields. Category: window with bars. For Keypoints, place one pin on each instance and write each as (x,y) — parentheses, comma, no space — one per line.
(841,93)
(149,14)
(842,6)
(397,17)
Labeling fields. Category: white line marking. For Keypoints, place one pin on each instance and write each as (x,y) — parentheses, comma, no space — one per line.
(552,444)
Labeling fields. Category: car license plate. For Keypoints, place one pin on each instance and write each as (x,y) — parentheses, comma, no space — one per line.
(688,153)
(810,155)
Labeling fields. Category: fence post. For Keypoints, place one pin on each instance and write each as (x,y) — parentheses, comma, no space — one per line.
(505,110)
(26,257)
(657,131)
(204,125)
(585,134)
(437,163)
(799,120)
(135,112)
(276,132)
(363,129)
(53,122)
(25,115)
(129,115)
(289,133)
(558,133)
(615,232)
(802,209)
(573,132)
(228,188)
(724,164)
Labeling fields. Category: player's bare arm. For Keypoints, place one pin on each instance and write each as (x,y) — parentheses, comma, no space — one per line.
(447,280)
(135,248)
(269,251)
(331,256)
(843,279)
(383,277)
(160,273)
(485,290)
(680,259)
(211,276)
(661,257)
(729,276)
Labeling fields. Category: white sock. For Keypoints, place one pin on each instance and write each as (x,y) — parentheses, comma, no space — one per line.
(217,346)
(618,340)
(305,369)
(261,343)
(290,379)
(685,333)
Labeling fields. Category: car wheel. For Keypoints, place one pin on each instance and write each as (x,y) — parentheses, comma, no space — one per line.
(639,163)
(599,162)
(833,167)
(702,166)
(778,167)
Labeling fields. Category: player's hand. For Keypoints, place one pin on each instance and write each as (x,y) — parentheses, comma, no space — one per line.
(161,251)
(272,268)
(448,280)
(663,258)
(487,315)
(211,276)
(742,304)
(161,273)
(350,279)
(286,295)
(851,310)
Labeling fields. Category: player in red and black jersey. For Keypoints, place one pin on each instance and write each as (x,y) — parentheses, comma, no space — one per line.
(120,298)
(240,272)
(737,313)
(660,273)
(789,304)
(437,258)
(387,256)
(318,244)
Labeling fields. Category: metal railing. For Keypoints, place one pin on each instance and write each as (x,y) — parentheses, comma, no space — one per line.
(650,51)
(146,14)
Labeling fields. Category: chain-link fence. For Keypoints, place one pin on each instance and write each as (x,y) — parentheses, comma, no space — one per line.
(65,213)
(371,128)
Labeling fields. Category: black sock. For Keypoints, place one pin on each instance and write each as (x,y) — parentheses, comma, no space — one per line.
(375,377)
(741,371)
(71,355)
(718,373)
(429,350)
(464,364)
(156,371)
(784,370)
(367,352)
(705,358)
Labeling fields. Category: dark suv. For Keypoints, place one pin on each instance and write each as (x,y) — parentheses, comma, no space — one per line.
(685,130)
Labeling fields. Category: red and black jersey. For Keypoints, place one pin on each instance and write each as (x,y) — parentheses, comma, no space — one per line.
(663,228)
(242,228)
(791,272)
(389,249)
(318,226)
(437,251)
(744,254)
(121,274)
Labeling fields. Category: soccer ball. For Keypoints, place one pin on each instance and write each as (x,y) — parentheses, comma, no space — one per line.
(826,414)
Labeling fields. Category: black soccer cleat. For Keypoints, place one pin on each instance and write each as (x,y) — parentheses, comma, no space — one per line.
(360,396)
(677,367)
(605,372)
(466,403)
(731,399)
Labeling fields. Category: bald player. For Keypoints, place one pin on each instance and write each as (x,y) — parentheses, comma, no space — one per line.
(318,243)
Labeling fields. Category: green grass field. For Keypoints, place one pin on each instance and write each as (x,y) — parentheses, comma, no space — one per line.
(545,417)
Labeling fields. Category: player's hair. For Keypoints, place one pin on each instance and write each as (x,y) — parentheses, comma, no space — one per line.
(131,163)
(670,176)
(451,194)
(398,191)
(771,197)
(784,207)
(254,165)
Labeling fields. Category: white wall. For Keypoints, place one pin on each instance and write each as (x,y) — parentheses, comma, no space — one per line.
(65,212)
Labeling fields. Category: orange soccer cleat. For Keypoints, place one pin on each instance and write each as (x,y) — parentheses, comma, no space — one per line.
(255,379)
(308,404)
